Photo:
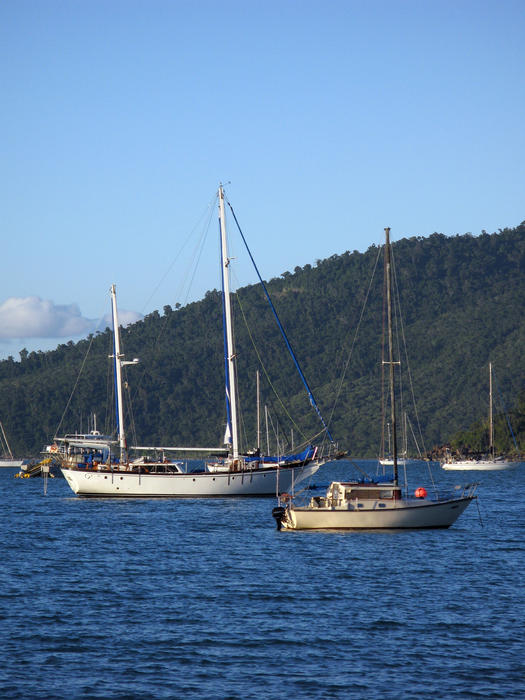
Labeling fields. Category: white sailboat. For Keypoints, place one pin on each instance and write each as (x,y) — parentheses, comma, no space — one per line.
(488,462)
(96,465)
(387,461)
(376,504)
(7,459)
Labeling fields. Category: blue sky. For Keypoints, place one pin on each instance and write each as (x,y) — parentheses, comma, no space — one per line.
(330,120)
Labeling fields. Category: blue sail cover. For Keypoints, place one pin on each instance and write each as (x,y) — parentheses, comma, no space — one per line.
(303,456)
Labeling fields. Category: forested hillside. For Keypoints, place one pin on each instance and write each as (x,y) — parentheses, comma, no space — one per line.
(462,304)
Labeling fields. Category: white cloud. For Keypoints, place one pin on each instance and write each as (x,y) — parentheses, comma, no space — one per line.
(33,317)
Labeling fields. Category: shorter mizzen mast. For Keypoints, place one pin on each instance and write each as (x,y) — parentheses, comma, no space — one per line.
(231,435)
(118,364)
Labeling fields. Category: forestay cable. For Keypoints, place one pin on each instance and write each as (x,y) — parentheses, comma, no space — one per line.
(283,333)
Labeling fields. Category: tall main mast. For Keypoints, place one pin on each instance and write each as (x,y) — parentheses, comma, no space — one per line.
(118,375)
(231,386)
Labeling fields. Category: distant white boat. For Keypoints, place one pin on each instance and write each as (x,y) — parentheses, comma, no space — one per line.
(386,462)
(96,465)
(489,462)
(12,462)
(7,459)
(487,465)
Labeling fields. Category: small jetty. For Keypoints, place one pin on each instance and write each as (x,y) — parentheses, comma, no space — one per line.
(44,467)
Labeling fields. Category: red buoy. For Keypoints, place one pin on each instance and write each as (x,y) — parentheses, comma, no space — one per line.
(421,492)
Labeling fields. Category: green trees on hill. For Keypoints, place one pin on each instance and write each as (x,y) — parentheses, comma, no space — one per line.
(462,303)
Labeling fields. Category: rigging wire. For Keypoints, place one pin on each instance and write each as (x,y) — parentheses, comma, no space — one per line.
(264,369)
(418,448)
(409,372)
(75,385)
(206,214)
(131,417)
(187,280)
(507,418)
(110,393)
(283,333)
(356,333)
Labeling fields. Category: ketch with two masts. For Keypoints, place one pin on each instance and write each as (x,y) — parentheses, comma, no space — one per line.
(101,466)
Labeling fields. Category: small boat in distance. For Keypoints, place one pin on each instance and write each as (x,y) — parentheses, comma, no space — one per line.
(489,462)
(386,460)
(481,465)
(7,459)
(96,465)
(376,503)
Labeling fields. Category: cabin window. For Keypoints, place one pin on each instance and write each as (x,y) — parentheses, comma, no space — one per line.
(366,494)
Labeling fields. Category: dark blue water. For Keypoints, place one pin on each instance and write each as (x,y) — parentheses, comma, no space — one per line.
(205,599)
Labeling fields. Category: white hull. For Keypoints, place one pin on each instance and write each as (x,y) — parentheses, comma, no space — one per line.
(7,462)
(258,482)
(404,515)
(485,465)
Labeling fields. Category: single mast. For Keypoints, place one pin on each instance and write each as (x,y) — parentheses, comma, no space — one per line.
(391,350)
(231,388)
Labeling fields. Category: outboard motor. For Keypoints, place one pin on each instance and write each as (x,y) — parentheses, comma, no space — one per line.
(279,514)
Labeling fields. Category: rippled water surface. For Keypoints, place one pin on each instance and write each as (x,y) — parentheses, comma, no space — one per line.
(205,599)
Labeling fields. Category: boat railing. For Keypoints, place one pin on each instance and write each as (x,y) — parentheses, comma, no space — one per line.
(329,451)
(457,492)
